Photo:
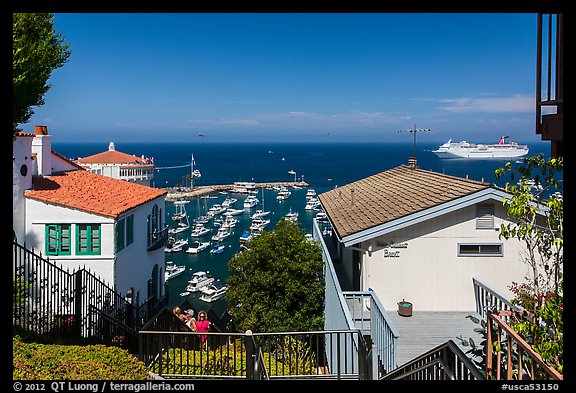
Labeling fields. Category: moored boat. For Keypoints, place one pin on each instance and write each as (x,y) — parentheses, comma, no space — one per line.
(197,247)
(173,270)
(213,292)
(199,280)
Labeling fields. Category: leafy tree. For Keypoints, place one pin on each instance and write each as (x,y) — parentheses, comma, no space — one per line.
(539,224)
(277,284)
(37,51)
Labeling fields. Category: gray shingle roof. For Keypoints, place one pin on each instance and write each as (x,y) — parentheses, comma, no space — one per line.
(390,195)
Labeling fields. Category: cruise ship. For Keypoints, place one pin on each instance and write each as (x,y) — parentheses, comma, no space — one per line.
(465,149)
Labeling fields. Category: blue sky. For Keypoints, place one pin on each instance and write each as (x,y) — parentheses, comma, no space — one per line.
(338,77)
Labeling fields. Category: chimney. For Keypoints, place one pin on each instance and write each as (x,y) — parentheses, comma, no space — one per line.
(42,147)
(111,146)
(412,162)
(352,197)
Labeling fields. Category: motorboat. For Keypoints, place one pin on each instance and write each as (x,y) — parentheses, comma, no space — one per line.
(260,214)
(199,280)
(283,194)
(464,149)
(223,233)
(175,245)
(200,230)
(245,238)
(213,292)
(217,208)
(229,222)
(259,224)
(173,270)
(197,247)
(233,212)
(311,193)
(229,201)
(250,201)
(292,215)
(321,216)
(218,249)
(312,204)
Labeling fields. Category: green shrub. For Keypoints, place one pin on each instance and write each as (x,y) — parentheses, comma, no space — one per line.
(33,361)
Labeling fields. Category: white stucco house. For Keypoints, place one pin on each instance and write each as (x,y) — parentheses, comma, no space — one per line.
(78,219)
(119,165)
(420,236)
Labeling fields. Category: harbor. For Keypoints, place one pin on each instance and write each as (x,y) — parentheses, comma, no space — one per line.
(177,193)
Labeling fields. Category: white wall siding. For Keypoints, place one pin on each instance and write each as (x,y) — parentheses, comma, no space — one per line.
(21,148)
(39,214)
(134,264)
(429,273)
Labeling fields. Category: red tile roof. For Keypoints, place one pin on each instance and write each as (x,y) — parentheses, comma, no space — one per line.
(91,193)
(111,157)
(390,195)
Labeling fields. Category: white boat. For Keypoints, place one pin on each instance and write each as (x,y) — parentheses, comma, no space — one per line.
(260,214)
(197,247)
(283,194)
(175,245)
(217,208)
(182,222)
(259,224)
(245,238)
(233,212)
(229,201)
(250,201)
(194,173)
(312,203)
(213,292)
(173,270)
(463,149)
(292,215)
(218,249)
(311,193)
(229,222)
(321,216)
(199,280)
(200,230)
(222,233)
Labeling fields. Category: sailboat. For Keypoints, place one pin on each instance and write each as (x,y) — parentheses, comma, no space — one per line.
(182,217)
(194,172)
(261,213)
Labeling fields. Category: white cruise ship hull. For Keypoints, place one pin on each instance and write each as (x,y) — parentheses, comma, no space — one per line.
(470,150)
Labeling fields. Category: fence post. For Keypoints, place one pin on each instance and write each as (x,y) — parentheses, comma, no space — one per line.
(250,356)
(78,304)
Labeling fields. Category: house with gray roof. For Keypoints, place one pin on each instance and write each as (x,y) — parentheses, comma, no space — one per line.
(420,236)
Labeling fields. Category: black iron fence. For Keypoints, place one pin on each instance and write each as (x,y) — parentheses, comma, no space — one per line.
(287,355)
(54,302)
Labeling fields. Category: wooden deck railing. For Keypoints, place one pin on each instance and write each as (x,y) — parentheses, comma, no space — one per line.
(522,362)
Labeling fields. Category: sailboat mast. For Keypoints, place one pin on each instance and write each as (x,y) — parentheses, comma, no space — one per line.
(192,172)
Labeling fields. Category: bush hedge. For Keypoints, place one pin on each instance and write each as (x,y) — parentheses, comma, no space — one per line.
(34,361)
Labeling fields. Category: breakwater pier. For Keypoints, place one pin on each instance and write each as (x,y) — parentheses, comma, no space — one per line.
(175,193)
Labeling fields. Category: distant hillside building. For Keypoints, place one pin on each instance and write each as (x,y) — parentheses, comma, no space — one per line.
(80,219)
(118,165)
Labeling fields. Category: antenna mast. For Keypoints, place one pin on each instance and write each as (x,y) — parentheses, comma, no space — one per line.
(414,131)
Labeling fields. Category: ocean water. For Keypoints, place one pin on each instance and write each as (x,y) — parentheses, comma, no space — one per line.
(323,166)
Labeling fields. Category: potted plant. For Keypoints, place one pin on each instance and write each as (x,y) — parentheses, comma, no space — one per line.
(404,308)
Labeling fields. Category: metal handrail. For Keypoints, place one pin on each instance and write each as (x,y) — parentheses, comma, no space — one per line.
(446,361)
(504,331)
